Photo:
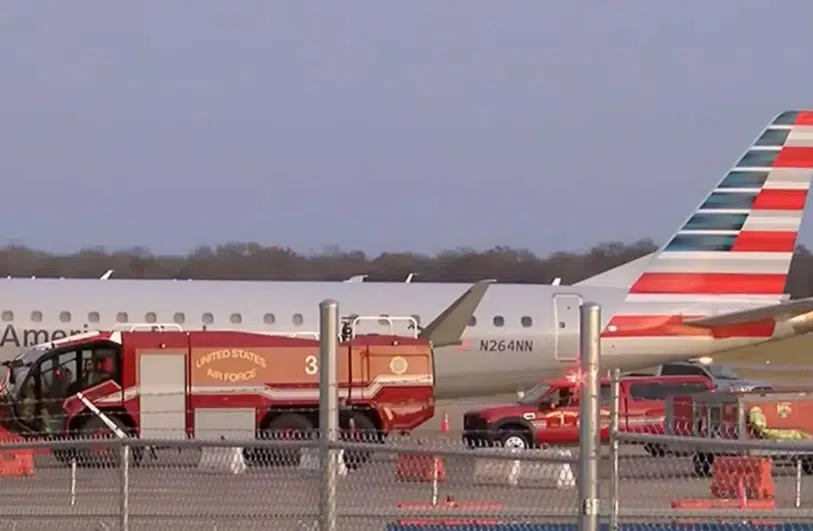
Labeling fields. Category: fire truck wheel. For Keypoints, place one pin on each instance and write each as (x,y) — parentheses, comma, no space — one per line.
(655,450)
(284,427)
(94,427)
(365,431)
(702,464)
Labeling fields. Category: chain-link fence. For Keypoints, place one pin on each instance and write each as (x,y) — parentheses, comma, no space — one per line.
(135,484)
(169,484)
(689,478)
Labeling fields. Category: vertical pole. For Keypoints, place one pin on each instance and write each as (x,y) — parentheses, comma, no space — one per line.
(435,476)
(615,408)
(73,481)
(125,486)
(590,331)
(798,500)
(328,411)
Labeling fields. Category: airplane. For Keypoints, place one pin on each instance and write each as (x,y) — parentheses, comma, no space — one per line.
(717,284)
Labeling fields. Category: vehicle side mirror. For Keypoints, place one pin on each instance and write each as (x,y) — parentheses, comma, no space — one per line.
(545,404)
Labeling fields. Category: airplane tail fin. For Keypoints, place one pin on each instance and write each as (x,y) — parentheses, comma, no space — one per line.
(739,242)
(622,276)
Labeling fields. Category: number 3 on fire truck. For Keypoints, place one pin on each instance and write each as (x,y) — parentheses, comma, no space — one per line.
(311,365)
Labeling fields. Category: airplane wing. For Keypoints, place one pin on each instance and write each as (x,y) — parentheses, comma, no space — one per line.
(448,327)
(779,312)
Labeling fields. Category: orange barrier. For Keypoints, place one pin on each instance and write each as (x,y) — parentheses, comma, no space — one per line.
(449,520)
(730,474)
(423,468)
(420,468)
(723,503)
(740,483)
(15,463)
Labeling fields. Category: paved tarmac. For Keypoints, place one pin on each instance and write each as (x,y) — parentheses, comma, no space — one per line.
(170,493)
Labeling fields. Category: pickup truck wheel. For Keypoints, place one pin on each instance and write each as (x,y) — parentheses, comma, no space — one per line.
(288,426)
(365,431)
(514,440)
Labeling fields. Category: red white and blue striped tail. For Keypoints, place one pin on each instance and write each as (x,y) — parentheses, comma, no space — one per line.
(739,242)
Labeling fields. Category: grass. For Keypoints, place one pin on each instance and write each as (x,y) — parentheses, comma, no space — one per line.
(790,360)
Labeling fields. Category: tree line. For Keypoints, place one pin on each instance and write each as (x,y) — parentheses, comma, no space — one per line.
(252,261)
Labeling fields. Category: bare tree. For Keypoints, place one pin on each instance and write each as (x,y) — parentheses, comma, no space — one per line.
(252,261)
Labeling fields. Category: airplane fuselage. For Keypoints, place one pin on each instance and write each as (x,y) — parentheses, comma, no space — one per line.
(521,333)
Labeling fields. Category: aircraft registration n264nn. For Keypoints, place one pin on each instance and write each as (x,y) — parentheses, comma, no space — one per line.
(715,285)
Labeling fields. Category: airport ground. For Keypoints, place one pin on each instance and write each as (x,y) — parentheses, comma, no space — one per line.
(170,493)
(785,363)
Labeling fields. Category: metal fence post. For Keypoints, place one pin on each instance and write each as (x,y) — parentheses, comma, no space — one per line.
(615,406)
(124,524)
(590,347)
(328,411)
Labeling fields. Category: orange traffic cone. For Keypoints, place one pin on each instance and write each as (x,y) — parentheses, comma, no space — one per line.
(444,424)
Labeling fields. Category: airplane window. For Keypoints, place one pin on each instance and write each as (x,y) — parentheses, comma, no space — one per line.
(498,320)
(472,321)
(122,317)
(207,318)
(236,318)
(8,315)
(269,319)
(36,316)
(93,317)
(526,321)
(179,318)
(65,317)
(150,317)
(297,319)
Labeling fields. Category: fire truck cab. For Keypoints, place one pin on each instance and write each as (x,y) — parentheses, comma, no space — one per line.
(214,384)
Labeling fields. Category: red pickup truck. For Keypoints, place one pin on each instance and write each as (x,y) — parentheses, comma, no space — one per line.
(548,414)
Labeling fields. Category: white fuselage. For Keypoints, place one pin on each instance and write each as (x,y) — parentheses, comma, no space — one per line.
(522,332)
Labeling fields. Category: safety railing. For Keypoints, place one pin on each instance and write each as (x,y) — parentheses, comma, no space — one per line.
(360,324)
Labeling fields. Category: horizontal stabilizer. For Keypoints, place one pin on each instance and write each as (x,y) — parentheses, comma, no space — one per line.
(448,327)
(781,311)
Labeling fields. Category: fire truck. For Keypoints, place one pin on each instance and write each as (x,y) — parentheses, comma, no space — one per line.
(162,382)
(214,384)
(770,415)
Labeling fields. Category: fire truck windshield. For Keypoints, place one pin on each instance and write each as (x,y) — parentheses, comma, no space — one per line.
(22,363)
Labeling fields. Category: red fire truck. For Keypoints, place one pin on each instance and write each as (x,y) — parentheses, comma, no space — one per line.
(213,384)
(771,415)
(164,383)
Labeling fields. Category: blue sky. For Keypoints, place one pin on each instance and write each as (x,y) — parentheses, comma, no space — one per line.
(379,125)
